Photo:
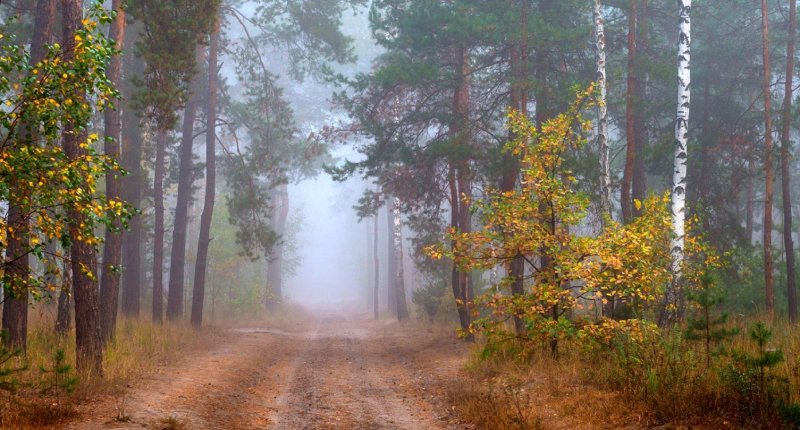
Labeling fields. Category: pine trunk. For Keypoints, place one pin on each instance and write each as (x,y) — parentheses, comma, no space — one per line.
(670,311)
(626,200)
(89,349)
(786,180)
(400,285)
(112,248)
(460,179)
(639,180)
(280,199)
(376,269)
(519,103)
(64,312)
(203,242)
(391,258)
(177,267)
(132,189)
(158,228)
(15,306)
(769,175)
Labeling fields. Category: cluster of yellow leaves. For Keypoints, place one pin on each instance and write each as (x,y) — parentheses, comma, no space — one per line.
(601,334)
(567,271)
(47,185)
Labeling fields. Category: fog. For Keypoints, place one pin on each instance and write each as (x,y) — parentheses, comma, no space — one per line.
(332,244)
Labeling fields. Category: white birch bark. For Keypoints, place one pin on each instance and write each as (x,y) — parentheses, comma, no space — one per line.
(681,140)
(602,127)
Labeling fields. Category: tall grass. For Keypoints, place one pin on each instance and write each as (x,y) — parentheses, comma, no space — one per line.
(140,347)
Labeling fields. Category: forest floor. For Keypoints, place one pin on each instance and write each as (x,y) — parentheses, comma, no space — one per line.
(321,371)
(332,372)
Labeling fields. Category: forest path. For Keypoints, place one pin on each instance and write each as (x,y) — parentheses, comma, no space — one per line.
(335,372)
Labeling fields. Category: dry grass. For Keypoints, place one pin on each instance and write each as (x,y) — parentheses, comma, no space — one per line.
(139,348)
(502,393)
(666,384)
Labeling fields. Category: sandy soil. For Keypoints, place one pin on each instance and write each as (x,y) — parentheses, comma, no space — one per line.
(335,372)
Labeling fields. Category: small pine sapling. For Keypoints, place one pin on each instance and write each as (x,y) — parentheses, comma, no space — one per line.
(766,358)
(750,375)
(59,377)
(7,369)
(705,326)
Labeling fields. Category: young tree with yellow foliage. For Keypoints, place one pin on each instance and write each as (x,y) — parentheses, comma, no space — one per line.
(568,275)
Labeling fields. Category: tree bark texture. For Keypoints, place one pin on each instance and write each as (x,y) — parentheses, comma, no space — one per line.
(786,180)
(203,242)
(89,358)
(112,248)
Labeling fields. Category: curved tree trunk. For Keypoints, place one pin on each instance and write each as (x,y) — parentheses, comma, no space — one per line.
(203,242)
(768,169)
(112,248)
(460,180)
(786,143)
(177,267)
(670,310)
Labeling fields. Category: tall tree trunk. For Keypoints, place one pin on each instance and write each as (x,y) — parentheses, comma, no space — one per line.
(203,242)
(158,229)
(280,198)
(15,307)
(602,123)
(626,199)
(64,312)
(460,179)
(376,268)
(112,248)
(84,255)
(768,177)
(786,143)
(400,285)
(177,267)
(639,179)
(133,184)
(519,103)
(751,200)
(670,311)
(391,258)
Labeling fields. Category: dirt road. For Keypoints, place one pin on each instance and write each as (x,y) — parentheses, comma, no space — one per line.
(336,372)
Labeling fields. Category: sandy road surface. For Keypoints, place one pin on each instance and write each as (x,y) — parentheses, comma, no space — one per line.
(337,372)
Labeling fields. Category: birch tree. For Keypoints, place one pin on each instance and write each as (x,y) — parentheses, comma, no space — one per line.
(602,126)
(679,171)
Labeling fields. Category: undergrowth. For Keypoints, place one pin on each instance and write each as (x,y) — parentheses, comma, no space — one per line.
(750,380)
(47,388)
